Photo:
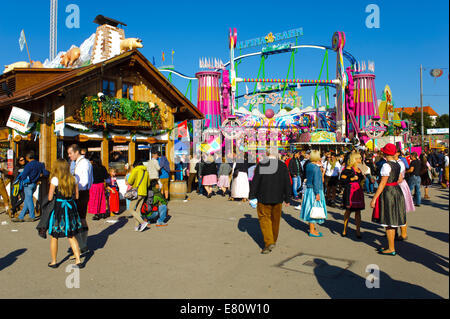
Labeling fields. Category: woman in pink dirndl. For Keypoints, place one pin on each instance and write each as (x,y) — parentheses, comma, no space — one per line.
(409,202)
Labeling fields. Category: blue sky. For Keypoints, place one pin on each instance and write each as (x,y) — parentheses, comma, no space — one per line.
(411,33)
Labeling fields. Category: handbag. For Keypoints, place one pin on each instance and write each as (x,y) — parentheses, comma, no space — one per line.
(435,172)
(132,194)
(317,212)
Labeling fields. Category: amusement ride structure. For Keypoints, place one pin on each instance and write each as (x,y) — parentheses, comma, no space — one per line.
(355,114)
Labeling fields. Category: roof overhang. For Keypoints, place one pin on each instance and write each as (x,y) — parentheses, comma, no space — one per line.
(184,108)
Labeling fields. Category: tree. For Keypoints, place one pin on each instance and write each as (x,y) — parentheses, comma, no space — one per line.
(416,119)
(442,121)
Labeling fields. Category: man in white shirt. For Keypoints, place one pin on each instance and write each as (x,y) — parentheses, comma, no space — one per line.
(153,167)
(192,172)
(82,171)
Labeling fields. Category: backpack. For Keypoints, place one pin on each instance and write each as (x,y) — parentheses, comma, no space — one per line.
(147,210)
(147,207)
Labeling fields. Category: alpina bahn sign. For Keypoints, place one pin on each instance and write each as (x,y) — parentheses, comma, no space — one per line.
(272,98)
(294,33)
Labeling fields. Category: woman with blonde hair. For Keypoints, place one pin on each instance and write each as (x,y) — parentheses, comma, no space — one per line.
(64,220)
(332,171)
(314,196)
(353,196)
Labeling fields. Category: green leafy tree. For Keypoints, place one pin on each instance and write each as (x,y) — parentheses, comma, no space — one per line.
(416,119)
(442,121)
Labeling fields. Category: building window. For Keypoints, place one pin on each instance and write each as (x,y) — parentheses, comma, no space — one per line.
(127,91)
(109,88)
(118,156)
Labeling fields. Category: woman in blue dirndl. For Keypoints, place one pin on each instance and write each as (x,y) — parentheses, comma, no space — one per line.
(314,196)
(64,220)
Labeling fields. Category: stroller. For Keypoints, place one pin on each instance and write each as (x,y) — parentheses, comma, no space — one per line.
(17,196)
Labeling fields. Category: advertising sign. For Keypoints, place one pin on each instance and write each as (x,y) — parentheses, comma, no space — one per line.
(270,38)
(59,119)
(437,131)
(18,119)
(10,157)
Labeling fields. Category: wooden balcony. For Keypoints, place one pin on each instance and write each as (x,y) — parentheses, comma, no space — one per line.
(116,119)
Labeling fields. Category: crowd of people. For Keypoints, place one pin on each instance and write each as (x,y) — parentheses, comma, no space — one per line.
(81,186)
(316,179)
(309,180)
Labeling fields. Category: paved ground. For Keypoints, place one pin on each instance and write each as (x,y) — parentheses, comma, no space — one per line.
(211,249)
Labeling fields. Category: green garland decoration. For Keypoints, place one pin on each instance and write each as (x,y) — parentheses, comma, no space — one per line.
(129,109)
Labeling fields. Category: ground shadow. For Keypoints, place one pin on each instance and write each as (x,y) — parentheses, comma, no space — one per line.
(438,235)
(364,225)
(349,285)
(414,253)
(11,258)
(251,226)
(98,241)
(295,222)
(369,238)
(443,207)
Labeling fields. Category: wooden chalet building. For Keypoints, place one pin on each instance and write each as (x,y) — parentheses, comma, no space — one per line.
(138,107)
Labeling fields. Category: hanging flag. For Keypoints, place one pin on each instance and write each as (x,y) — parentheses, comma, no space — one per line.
(173,52)
(22,40)
(212,146)
(183,130)
(154,62)
(163,57)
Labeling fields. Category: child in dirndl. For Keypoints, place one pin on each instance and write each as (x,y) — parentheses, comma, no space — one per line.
(64,220)
(113,190)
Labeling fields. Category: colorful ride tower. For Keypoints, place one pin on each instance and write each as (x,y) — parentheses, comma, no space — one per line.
(208,97)
(365,97)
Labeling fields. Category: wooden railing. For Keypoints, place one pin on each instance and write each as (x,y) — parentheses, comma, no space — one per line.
(116,119)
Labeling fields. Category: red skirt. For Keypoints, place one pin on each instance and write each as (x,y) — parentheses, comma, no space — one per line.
(114,202)
(97,199)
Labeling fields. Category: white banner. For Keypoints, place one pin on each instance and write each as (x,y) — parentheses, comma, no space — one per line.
(437,131)
(59,119)
(18,119)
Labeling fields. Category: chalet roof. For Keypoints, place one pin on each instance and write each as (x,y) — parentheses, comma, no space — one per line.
(60,81)
(101,20)
(411,110)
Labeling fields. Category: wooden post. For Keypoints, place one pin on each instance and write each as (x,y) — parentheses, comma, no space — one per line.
(119,88)
(105,152)
(45,140)
(131,152)
(54,145)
